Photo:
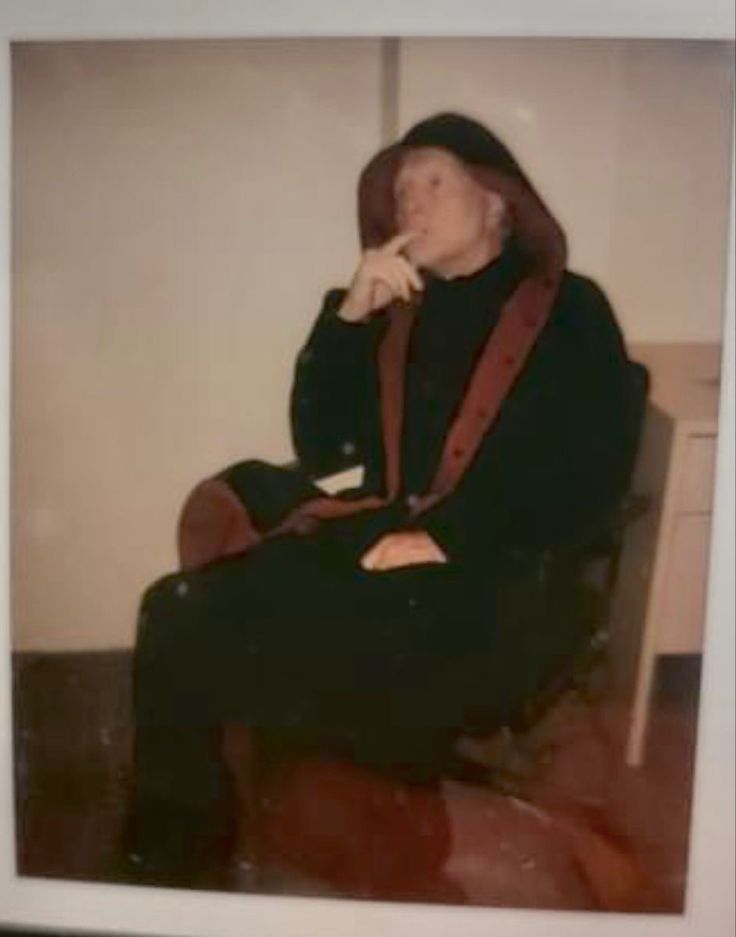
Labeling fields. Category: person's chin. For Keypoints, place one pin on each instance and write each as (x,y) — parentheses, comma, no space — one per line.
(430,266)
(422,257)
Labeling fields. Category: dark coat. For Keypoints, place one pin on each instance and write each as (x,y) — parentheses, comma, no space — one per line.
(290,635)
(291,631)
(452,645)
(552,470)
(387,667)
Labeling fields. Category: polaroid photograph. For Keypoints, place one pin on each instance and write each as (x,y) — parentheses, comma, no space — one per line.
(368,477)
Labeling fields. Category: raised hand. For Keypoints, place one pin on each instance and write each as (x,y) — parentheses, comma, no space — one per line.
(383,275)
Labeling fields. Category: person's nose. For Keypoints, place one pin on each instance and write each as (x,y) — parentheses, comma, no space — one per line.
(414,206)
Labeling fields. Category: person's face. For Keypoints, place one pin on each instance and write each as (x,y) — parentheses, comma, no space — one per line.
(456,220)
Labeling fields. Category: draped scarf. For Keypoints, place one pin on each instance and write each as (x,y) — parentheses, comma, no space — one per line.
(503,356)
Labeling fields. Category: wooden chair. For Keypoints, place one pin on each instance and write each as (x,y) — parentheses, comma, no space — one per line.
(366,833)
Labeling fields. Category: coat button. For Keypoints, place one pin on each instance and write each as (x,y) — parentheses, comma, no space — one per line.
(182,588)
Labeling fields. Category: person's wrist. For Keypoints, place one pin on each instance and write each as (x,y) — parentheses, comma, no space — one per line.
(348,313)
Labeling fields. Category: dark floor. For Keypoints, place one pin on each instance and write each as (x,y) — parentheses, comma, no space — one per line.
(73,740)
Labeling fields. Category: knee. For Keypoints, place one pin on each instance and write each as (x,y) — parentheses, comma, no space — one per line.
(162,606)
(250,471)
(166,590)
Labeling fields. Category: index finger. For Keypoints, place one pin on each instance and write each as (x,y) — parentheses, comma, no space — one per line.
(394,245)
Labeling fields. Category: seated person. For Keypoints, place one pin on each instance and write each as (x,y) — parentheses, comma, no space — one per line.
(485,389)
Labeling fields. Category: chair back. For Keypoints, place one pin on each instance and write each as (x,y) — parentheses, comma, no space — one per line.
(636,401)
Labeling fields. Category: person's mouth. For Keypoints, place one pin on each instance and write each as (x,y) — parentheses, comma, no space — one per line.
(419,237)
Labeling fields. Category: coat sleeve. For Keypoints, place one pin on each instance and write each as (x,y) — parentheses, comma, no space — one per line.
(553,469)
(334,392)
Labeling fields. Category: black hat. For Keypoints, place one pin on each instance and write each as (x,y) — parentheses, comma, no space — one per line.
(469,140)
(533,228)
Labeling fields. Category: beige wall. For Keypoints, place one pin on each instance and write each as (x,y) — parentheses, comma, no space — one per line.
(628,142)
(179,209)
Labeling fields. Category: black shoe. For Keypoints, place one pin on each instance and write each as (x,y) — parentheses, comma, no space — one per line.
(171,846)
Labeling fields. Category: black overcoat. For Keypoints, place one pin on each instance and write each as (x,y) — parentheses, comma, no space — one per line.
(294,633)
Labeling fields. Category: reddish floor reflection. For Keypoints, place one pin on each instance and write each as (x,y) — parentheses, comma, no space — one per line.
(573,826)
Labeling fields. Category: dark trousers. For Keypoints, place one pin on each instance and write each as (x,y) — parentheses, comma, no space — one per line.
(294,640)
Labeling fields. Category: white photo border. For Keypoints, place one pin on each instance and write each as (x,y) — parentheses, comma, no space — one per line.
(114,909)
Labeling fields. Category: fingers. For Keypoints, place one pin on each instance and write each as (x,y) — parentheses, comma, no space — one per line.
(397,279)
(371,558)
(381,294)
(383,275)
(411,273)
(399,272)
(398,242)
(393,248)
(402,549)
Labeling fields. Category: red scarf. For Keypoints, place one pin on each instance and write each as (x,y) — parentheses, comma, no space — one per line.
(501,362)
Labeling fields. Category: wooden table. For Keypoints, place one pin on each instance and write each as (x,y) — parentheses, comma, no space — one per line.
(659,602)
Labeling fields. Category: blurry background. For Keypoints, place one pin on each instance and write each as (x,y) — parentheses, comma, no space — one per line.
(179,209)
